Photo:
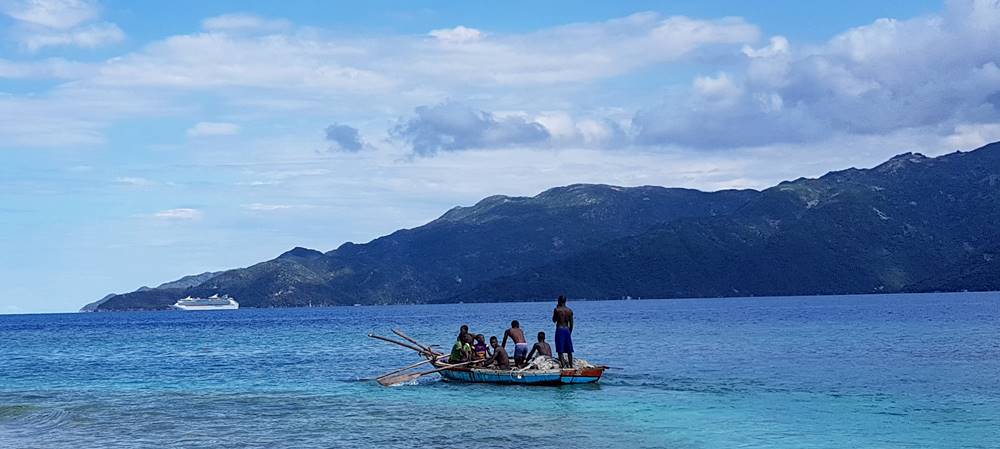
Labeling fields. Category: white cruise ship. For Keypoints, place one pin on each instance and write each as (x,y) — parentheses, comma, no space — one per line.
(213,302)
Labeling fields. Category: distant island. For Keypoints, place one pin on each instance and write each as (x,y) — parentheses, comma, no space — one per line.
(911,224)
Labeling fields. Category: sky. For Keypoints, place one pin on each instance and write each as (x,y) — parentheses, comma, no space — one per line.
(143,141)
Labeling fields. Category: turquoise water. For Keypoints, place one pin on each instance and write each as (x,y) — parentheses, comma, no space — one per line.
(900,371)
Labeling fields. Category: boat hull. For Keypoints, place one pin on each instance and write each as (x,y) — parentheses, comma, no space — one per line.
(515,377)
(204,308)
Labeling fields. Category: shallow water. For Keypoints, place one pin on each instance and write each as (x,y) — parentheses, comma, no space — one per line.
(899,371)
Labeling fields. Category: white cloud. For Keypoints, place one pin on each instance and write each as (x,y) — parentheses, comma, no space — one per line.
(264,207)
(305,70)
(936,72)
(567,131)
(181,214)
(57,68)
(970,136)
(719,89)
(212,60)
(299,61)
(133,181)
(244,22)
(56,23)
(204,129)
(38,123)
(573,53)
(457,35)
(88,36)
(57,14)
(72,114)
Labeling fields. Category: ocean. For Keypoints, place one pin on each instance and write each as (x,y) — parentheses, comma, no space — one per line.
(879,371)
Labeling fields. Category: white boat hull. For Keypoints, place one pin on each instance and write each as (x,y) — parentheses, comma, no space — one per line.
(195,308)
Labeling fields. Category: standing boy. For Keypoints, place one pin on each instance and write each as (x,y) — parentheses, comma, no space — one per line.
(520,343)
(563,317)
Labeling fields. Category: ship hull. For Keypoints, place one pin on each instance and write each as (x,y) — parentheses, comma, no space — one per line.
(515,377)
(204,308)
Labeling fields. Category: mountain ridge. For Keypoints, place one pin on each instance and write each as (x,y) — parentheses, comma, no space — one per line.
(911,223)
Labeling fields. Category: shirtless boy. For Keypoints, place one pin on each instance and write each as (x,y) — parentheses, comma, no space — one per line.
(540,348)
(499,358)
(520,343)
(563,317)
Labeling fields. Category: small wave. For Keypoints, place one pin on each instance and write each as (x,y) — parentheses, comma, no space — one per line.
(27,420)
(16,410)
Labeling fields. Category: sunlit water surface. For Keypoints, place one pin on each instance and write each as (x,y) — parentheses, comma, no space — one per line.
(901,371)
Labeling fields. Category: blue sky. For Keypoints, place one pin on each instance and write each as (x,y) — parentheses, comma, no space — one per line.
(142,141)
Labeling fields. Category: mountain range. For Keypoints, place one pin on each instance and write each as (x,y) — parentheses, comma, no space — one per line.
(911,224)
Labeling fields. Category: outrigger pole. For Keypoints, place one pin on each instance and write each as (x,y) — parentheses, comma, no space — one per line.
(426,352)
(406,377)
(427,348)
(398,376)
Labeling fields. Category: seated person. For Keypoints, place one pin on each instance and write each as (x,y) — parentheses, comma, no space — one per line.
(465,335)
(480,350)
(516,334)
(540,348)
(461,351)
(468,338)
(499,358)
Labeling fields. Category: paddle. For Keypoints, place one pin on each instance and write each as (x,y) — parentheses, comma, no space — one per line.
(407,377)
(403,369)
(405,345)
(407,338)
(408,368)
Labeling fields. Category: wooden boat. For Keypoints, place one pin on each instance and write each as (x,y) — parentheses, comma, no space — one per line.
(542,371)
(587,375)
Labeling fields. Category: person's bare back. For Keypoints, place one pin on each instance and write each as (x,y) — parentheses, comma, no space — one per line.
(541,348)
(516,334)
(563,317)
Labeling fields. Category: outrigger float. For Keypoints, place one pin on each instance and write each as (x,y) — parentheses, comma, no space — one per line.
(541,371)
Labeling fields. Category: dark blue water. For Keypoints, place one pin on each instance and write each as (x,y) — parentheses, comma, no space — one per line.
(902,371)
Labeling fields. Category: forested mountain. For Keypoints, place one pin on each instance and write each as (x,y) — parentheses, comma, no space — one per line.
(912,223)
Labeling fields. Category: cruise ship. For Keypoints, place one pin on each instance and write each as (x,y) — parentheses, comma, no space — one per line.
(214,302)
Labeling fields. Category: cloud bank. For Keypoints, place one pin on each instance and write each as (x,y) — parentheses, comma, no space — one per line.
(475,89)
(938,72)
(55,23)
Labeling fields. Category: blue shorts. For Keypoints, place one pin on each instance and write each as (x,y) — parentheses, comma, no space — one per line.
(564,340)
(520,350)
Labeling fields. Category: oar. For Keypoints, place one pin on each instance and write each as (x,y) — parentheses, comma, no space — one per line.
(403,378)
(407,338)
(405,345)
(405,368)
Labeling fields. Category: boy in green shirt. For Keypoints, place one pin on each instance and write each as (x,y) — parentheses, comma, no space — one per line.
(461,351)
